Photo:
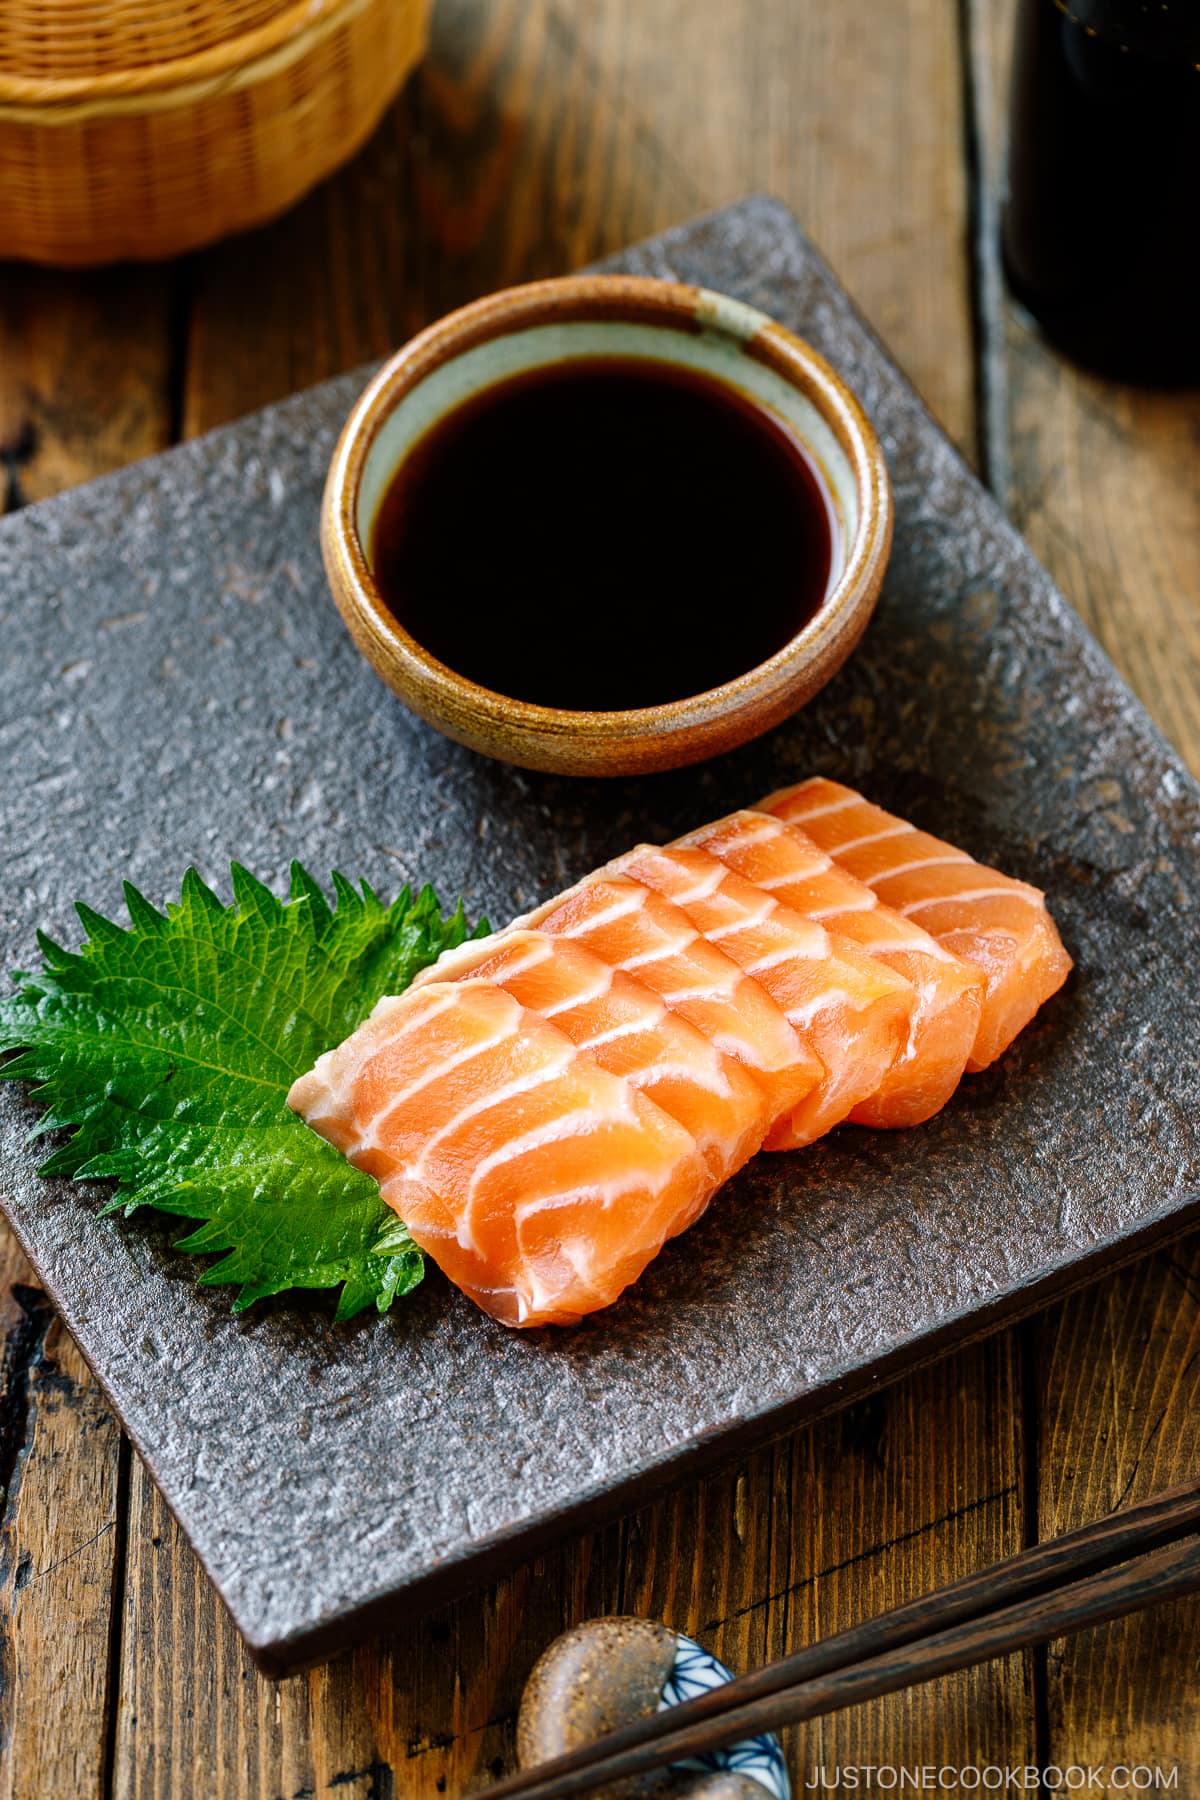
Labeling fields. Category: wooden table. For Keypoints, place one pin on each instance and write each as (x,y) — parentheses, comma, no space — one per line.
(541,134)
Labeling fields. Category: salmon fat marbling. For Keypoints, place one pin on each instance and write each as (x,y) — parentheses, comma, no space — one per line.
(547,1106)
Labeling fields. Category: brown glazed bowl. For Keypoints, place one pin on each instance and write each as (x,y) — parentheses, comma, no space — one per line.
(589,315)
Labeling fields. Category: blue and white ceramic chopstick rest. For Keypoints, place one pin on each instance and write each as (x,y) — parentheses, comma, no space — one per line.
(606,1673)
(693,1672)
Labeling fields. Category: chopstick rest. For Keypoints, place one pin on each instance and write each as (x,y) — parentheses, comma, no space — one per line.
(609,1672)
(1116,1565)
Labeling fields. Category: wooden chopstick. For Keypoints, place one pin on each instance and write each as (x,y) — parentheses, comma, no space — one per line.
(1046,1591)
(1159,1575)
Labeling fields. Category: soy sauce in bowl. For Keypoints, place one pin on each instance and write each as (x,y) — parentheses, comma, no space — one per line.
(605,533)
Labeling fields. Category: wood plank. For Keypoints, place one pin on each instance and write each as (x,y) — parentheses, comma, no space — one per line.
(85,380)
(910,1490)
(60,1466)
(860,1512)
(544,133)
(1105,483)
(1119,1419)
(1102,479)
(85,375)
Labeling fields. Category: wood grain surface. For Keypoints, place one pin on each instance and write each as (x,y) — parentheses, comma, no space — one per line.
(541,134)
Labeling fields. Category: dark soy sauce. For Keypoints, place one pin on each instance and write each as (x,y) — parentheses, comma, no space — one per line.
(604,533)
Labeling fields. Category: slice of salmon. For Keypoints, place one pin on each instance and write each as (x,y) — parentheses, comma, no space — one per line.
(632,928)
(998,925)
(853,1012)
(540,1183)
(786,863)
(631,1031)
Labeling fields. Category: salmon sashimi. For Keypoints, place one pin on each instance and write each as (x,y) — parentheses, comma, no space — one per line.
(632,928)
(631,1031)
(784,862)
(852,1011)
(998,925)
(540,1183)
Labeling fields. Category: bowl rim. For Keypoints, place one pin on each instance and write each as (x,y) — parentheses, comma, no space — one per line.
(625,298)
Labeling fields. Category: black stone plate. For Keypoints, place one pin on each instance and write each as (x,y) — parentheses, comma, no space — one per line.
(178,689)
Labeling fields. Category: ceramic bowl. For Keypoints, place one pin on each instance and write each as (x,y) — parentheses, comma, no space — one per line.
(587,315)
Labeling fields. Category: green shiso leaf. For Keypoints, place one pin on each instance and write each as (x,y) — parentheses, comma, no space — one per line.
(166,1049)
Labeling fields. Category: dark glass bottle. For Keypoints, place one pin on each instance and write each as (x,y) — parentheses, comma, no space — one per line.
(1101,228)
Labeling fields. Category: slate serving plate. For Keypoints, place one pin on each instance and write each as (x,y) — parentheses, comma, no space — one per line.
(178,689)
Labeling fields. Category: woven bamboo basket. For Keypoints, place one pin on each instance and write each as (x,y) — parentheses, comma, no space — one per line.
(141,128)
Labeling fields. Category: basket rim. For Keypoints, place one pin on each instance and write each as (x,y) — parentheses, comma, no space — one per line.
(287,32)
